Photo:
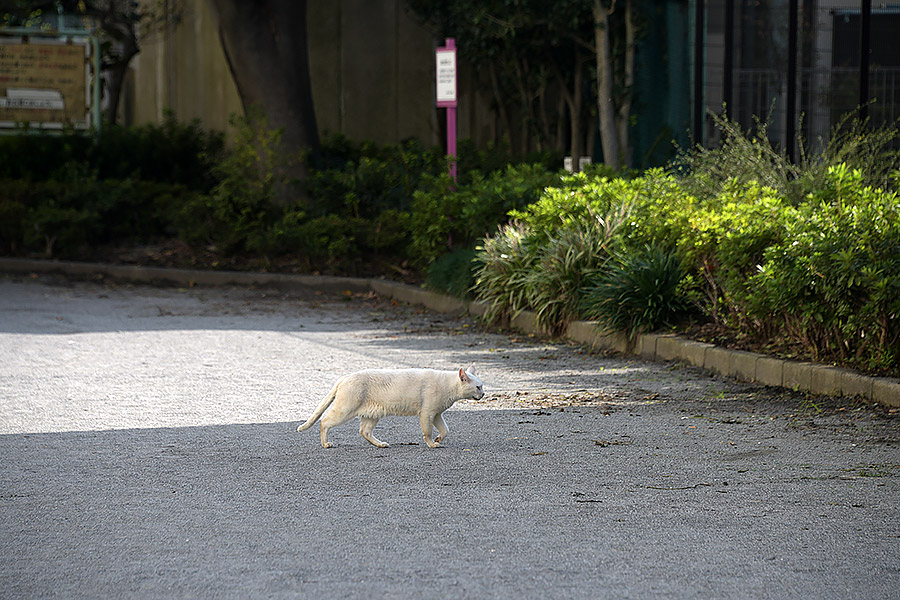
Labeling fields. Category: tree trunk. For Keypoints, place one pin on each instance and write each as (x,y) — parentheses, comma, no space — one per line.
(265,46)
(527,108)
(501,106)
(116,79)
(576,147)
(573,101)
(121,30)
(606,109)
(624,117)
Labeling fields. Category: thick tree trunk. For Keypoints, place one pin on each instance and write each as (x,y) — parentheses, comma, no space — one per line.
(265,44)
(116,79)
(124,47)
(606,109)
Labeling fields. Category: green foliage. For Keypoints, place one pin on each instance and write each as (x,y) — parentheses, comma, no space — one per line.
(504,263)
(873,151)
(362,180)
(559,243)
(446,216)
(453,273)
(638,292)
(171,152)
(724,240)
(66,217)
(578,198)
(250,180)
(742,157)
(567,261)
(745,157)
(832,281)
(13,218)
(810,257)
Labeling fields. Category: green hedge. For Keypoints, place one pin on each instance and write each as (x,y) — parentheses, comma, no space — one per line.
(822,274)
(171,152)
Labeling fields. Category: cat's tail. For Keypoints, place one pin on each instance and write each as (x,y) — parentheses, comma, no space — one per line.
(323,406)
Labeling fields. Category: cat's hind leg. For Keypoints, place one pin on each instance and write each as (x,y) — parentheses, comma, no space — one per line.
(366,425)
(332,418)
(441,427)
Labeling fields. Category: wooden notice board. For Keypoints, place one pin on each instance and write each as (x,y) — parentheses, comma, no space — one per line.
(44,81)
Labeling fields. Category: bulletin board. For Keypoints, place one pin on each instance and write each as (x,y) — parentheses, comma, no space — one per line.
(45,82)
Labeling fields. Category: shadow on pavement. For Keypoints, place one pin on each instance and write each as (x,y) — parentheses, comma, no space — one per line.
(521,503)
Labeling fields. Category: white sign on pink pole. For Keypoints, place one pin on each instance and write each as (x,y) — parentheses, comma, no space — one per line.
(445,75)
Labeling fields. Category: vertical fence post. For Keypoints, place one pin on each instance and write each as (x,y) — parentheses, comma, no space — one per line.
(728,71)
(865,42)
(790,113)
(699,19)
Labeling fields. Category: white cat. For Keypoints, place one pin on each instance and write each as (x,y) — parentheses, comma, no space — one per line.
(376,393)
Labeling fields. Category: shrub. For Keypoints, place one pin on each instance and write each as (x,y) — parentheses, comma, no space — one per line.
(567,261)
(808,254)
(742,157)
(724,240)
(749,156)
(362,180)
(252,180)
(519,270)
(446,216)
(833,281)
(501,278)
(453,273)
(170,152)
(638,292)
(854,143)
(13,218)
(68,218)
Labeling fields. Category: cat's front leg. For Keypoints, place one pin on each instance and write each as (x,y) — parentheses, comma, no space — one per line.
(442,428)
(427,423)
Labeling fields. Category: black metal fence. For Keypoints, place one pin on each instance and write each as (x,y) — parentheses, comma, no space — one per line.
(799,65)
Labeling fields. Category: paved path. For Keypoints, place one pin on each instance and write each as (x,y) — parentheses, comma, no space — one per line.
(148,450)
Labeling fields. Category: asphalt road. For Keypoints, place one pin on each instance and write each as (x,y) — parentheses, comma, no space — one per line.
(148,449)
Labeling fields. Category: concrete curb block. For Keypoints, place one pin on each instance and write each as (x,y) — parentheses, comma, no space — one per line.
(526,322)
(587,332)
(770,371)
(747,366)
(187,277)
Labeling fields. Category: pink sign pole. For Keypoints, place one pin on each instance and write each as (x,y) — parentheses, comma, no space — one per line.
(445,59)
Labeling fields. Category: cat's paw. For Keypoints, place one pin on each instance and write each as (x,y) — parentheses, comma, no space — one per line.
(328,445)
(434,444)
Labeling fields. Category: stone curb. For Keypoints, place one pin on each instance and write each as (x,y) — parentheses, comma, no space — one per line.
(186,277)
(746,366)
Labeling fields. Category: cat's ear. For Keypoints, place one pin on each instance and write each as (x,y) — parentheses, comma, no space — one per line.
(471,370)
(463,377)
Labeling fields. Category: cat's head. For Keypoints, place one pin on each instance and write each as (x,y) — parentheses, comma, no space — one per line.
(472,386)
